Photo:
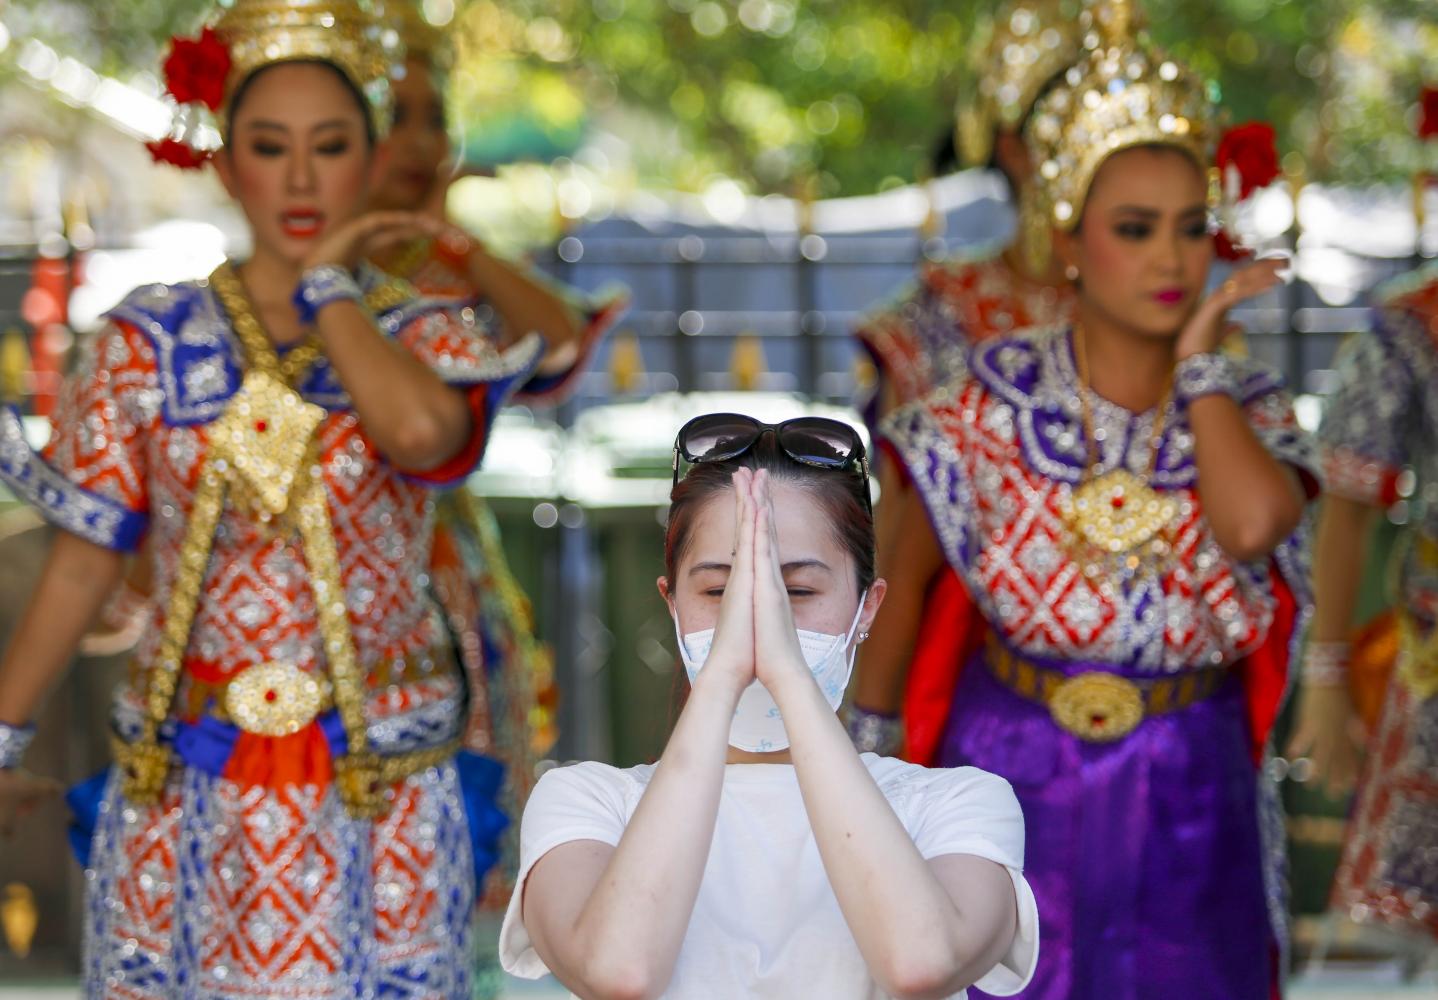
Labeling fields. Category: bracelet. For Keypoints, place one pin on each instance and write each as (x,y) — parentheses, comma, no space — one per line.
(14,741)
(874,732)
(1208,374)
(321,285)
(1325,664)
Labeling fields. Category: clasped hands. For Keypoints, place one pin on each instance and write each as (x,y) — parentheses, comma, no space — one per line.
(755,637)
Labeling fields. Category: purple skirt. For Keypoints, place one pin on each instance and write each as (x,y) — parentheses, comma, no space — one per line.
(1144,854)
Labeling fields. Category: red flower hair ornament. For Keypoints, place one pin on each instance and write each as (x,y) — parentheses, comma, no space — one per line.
(195,74)
(1247,161)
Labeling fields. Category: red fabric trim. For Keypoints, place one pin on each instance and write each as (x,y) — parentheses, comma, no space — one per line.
(950,630)
(557,386)
(276,761)
(467,459)
(1265,670)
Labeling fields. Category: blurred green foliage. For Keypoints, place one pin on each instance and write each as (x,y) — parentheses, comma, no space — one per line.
(838,96)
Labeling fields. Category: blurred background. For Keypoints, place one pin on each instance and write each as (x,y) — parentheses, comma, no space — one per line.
(758,173)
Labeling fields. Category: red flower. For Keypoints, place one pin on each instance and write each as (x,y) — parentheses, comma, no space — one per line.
(1225,249)
(1428,113)
(196,69)
(177,154)
(1251,149)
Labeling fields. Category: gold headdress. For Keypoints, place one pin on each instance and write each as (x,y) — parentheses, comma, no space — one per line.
(344,33)
(422,39)
(1125,93)
(1024,46)
(203,74)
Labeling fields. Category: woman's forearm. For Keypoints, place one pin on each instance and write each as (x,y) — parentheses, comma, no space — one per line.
(525,305)
(77,578)
(916,940)
(633,923)
(415,420)
(1339,548)
(1252,500)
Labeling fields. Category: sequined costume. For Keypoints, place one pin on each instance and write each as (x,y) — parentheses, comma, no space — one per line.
(250,876)
(512,694)
(1383,420)
(921,339)
(1141,796)
(1120,668)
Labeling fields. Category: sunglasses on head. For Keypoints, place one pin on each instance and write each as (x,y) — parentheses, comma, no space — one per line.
(814,441)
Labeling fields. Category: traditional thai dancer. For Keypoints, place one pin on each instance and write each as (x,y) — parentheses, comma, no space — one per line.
(1122,503)
(922,339)
(512,691)
(1381,423)
(288,813)
(762,856)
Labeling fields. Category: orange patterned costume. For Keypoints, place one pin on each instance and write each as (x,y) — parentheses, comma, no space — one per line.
(250,876)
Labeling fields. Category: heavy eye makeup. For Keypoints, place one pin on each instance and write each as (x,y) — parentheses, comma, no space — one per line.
(1137,225)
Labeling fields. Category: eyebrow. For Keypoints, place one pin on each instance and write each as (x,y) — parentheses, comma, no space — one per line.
(1153,213)
(788,567)
(277,126)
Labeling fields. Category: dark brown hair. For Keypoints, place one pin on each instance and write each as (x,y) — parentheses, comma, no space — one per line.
(841,495)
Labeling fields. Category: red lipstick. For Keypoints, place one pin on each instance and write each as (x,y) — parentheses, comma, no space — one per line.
(1170,296)
(302,223)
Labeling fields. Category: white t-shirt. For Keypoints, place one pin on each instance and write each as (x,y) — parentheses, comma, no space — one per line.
(766,922)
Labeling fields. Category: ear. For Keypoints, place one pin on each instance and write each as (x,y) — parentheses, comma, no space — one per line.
(872,601)
(1068,249)
(224,165)
(663,584)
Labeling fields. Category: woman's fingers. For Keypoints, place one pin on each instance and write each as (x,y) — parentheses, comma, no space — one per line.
(1245,283)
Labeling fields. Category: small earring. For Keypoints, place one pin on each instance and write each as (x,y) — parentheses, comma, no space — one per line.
(863,636)
(1072,272)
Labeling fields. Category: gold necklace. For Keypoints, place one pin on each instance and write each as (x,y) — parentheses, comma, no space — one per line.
(259,350)
(1118,512)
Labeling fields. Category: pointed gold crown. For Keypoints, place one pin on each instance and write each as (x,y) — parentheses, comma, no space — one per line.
(421,39)
(1016,53)
(343,33)
(1126,92)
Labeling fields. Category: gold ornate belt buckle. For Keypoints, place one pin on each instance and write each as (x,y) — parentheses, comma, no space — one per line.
(1096,706)
(274,699)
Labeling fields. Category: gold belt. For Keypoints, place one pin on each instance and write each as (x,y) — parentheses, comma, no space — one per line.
(389,769)
(1098,706)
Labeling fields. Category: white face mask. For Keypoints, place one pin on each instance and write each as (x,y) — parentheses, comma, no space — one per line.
(758,726)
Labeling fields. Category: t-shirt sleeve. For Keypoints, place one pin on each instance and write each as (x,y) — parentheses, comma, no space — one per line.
(580,802)
(91,479)
(968,811)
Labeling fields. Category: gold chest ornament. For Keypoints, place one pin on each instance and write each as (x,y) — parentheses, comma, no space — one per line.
(1117,517)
